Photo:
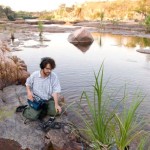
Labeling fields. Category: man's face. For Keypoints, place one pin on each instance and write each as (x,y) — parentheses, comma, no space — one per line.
(47,70)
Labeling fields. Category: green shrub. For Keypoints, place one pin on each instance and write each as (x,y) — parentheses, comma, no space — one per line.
(147,24)
(40,28)
(127,125)
(11,18)
(49,17)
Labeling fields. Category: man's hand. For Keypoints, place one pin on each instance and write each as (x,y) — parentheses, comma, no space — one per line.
(58,108)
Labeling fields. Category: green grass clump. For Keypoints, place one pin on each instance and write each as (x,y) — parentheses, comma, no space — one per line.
(40,28)
(127,125)
(147,24)
(106,126)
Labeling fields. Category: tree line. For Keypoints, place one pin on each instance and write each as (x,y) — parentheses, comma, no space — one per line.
(110,10)
(6,13)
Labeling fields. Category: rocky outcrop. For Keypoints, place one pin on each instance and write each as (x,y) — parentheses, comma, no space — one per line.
(125,26)
(35,22)
(81,37)
(62,140)
(30,136)
(12,124)
(12,69)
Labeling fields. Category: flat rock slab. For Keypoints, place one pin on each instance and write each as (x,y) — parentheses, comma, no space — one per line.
(146,51)
(27,135)
(12,123)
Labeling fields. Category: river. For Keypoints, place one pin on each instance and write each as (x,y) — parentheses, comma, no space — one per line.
(123,65)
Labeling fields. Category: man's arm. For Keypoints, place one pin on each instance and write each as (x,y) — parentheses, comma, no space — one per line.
(29,93)
(56,89)
(57,107)
(29,84)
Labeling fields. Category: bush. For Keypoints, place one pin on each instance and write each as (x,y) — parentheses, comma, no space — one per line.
(11,18)
(147,24)
(49,17)
(40,28)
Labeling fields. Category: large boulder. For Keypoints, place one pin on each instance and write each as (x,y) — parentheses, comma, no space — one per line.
(13,69)
(81,37)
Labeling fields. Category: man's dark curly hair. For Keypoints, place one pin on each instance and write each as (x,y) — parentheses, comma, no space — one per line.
(47,60)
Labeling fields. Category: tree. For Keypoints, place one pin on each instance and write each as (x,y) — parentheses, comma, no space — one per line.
(9,13)
(143,7)
(2,14)
(79,12)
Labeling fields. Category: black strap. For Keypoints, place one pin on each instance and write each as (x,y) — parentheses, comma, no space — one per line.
(50,124)
(21,108)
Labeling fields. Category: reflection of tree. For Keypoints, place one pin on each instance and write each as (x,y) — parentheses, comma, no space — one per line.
(98,38)
(130,42)
(41,40)
(142,42)
(119,40)
(147,58)
(100,41)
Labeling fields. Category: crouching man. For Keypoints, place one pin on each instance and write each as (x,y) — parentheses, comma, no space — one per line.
(43,90)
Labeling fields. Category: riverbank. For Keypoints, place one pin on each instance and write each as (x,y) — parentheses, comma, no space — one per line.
(26,34)
(26,30)
(121,28)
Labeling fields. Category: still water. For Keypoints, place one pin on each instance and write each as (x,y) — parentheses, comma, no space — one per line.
(76,66)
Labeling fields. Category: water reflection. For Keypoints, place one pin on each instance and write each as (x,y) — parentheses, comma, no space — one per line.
(41,40)
(141,42)
(126,41)
(82,47)
(147,57)
(123,65)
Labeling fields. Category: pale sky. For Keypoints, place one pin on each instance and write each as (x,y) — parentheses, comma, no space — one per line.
(37,5)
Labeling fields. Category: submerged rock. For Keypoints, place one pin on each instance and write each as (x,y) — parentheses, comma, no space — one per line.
(36,46)
(146,51)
